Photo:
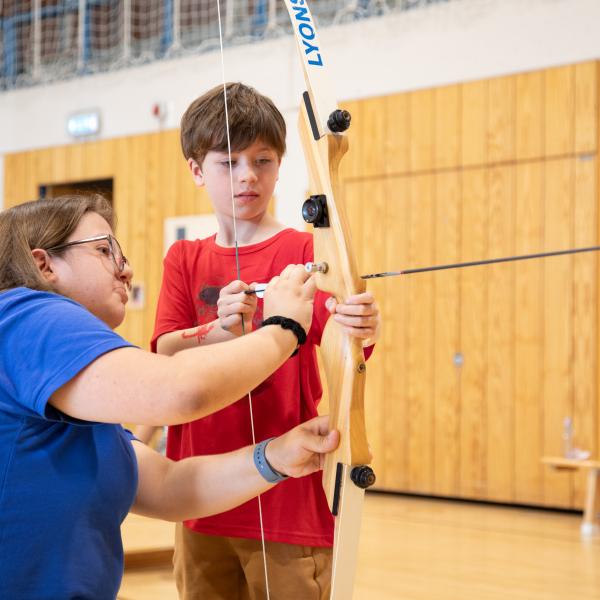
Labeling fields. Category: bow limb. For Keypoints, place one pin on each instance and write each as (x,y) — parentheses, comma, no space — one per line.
(345,474)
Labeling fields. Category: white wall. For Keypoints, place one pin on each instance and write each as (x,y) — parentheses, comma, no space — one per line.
(444,43)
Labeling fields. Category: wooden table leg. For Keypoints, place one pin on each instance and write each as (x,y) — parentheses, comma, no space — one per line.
(591,515)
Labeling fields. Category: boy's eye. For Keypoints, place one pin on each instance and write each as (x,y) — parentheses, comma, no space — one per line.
(264,161)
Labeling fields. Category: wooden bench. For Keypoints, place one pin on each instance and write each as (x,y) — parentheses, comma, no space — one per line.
(591,512)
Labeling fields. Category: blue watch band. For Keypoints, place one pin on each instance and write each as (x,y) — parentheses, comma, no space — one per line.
(263,466)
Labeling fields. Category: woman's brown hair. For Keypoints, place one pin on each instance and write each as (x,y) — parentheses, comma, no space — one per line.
(41,224)
(251,116)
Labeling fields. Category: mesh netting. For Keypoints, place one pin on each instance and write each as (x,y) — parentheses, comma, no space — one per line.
(45,40)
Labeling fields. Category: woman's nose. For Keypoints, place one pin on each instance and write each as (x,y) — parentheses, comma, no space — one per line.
(126,275)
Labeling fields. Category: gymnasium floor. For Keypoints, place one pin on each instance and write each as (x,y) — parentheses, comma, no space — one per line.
(421,549)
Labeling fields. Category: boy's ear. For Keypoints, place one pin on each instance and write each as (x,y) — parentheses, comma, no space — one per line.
(196,172)
(43,262)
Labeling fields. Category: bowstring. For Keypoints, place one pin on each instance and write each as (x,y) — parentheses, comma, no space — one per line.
(237,266)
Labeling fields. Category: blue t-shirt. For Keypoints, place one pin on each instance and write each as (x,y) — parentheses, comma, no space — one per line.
(65,485)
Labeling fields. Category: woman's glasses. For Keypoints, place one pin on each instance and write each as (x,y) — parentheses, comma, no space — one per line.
(113,248)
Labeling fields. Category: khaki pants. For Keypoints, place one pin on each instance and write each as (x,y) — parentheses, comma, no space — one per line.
(226,568)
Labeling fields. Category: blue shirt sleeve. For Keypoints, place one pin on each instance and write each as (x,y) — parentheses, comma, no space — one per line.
(45,340)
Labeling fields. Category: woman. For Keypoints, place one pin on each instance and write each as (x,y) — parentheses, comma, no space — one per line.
(68,472)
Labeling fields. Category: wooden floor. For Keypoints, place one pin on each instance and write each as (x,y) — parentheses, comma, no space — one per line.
(420,549)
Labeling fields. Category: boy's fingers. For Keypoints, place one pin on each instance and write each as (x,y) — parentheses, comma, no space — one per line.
(285,274)
(296,273)
(330,304)
(364,298)
(300,274)
(235,286)
(310,286)
(356,320)
(357,310)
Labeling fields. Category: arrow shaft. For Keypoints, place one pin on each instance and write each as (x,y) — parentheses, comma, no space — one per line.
(477,263)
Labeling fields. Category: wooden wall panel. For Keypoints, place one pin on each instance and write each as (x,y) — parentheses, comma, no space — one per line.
(421,130)
(351,164)
(397,134)
(559,111)
(557,342)
(394,304)
(447,124)
(445,326)
(474,119)
(371,122)
(529,318)
(585,320)
(586,107)
(14,179)
(473,335)
(529,115)
(500,341)
(420,336)
(500,137)
(160,183)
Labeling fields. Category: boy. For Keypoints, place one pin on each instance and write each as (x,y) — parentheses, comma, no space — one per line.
(221,556)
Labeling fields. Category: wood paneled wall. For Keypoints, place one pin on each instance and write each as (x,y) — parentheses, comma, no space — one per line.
(478,368)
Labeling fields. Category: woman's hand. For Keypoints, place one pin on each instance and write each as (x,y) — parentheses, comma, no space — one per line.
(302,450)
(358,315)
(291,295)
(233,305)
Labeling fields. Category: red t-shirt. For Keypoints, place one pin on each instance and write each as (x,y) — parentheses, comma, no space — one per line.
(295,511)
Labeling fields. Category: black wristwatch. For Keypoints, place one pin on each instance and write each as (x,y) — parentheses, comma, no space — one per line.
(290,324)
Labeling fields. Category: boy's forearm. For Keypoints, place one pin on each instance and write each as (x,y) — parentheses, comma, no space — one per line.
(183,339)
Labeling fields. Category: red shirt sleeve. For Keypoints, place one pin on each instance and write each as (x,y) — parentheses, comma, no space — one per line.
(174,310)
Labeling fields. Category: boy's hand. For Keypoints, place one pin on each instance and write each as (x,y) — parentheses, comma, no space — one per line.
(233,304)
(302,450)
(291,295)
(359,316)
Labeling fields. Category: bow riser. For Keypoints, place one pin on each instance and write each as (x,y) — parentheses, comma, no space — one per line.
(333,244)
(343,365)
(342,356)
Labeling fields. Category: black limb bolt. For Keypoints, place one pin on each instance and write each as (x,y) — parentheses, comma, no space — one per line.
(314,210)
(363,476)
(339,120)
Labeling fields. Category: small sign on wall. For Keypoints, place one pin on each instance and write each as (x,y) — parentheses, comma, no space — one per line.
(84,124)
(189,227)
(137,296)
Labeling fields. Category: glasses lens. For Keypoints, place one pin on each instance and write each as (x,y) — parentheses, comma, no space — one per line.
(120,260)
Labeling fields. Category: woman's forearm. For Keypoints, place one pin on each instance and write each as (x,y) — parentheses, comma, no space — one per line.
(133,386)
(205,485)
(233,368)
